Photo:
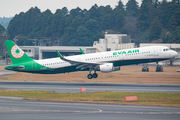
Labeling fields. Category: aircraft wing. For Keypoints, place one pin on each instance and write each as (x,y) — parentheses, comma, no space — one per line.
(82,65)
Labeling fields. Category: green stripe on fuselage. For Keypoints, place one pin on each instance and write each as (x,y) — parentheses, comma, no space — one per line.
(126,52)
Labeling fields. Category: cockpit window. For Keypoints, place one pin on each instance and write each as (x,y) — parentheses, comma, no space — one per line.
(166,49)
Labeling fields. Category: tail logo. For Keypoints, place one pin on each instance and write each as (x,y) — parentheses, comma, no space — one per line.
(16,52)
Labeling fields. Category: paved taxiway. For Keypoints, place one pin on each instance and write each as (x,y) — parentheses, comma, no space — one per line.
(6,72)
(64,87)
(17,109)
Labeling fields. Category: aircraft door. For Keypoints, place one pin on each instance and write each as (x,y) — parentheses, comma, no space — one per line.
(156,51)
(121,57)
(33,65)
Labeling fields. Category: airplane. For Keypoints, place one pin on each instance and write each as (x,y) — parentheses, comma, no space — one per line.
(103,61)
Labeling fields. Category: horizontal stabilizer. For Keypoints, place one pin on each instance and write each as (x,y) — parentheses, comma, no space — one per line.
(14,67)
(19,67)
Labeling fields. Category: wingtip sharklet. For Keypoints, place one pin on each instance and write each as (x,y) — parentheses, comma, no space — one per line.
(81,51)
(59,54)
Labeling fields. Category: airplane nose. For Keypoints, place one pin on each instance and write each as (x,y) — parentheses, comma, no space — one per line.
(175,53)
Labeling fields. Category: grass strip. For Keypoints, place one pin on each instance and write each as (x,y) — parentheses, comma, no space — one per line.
(2,68)
(155,99)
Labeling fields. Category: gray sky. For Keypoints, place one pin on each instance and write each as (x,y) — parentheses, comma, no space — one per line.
(9,8)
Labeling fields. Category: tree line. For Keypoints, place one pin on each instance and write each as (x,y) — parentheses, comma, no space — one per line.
(4,21)
(153,21)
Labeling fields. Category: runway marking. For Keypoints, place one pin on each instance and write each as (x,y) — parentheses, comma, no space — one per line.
(51,111)
(100,111)
(149,112)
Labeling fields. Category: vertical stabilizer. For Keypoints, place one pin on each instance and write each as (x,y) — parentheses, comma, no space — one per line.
(16,54)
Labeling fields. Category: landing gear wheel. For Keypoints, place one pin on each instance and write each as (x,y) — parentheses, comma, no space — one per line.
(95,75)
(89,76)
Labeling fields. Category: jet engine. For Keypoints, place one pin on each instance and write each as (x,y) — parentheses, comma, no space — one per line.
(108,67)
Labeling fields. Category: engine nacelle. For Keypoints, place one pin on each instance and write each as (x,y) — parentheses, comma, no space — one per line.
(108,67)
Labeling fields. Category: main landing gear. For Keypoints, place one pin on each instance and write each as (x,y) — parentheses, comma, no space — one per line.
(90,76)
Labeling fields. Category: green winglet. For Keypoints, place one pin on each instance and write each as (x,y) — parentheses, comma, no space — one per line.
(81,51)
(59,54)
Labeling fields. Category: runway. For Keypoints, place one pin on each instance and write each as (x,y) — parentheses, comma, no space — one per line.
(14,108)
(18,109)
(68,87)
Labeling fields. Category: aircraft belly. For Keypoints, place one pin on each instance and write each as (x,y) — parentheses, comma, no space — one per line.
(136,61)
(54,70)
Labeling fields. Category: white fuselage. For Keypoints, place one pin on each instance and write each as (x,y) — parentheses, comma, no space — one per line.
(135,55)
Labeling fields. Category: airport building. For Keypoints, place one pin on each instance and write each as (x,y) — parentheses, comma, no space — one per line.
(113,42)
(44,52)
(109,43)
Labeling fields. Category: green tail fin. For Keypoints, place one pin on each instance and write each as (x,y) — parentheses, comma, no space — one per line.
(16,54)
